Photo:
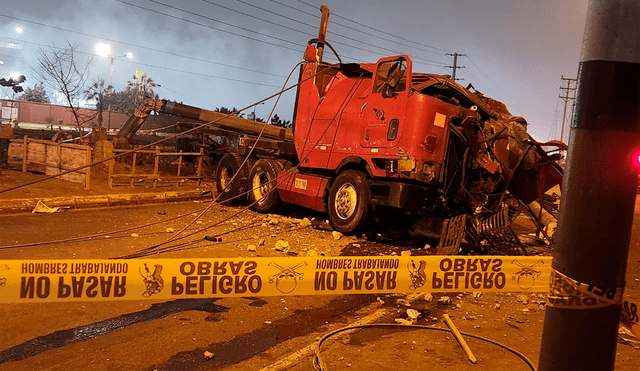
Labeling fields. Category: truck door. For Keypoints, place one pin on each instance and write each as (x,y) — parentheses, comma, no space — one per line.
(383,113)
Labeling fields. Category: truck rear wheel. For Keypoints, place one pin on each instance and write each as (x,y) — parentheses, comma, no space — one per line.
(231,192)
(263,194)
(349,211)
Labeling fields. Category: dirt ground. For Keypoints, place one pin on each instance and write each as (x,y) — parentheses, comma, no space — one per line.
(512,319)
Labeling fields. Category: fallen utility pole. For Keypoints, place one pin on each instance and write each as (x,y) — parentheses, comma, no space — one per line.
(599,190)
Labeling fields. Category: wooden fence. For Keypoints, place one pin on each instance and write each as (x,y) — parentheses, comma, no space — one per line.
(134,177)
(52,158)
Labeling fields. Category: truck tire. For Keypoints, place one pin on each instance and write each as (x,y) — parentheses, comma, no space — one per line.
(263,194)
(349,211)
(228,166)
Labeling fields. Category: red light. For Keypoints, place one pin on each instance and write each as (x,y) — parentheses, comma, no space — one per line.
(635,160)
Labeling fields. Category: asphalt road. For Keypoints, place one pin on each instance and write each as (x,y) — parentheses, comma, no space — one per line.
(244,333)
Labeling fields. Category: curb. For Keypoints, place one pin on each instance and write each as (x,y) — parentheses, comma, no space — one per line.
(82,202)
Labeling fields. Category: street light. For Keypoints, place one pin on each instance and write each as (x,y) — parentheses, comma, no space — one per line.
(104,50)
(254,111)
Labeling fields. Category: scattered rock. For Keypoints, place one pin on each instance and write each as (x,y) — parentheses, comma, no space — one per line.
(380,300)
(312,252)
(305,222)
(405,253)
(459,296)
(477,295)
(524,299)
(427,246)
(434,319)
(107,236)
(282,245)
(135,235)
(444,300)
(458,305)
(267,322)
(403,321)
(251,248)
(261,242)
(169,230)
(198,221)
(413,314)
(356,245)
(428,297)
(497,306)
(336,235)
(525,311)
(208,355)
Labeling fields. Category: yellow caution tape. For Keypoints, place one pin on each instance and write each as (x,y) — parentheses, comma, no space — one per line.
(167,279)
(565,292)
(629,316)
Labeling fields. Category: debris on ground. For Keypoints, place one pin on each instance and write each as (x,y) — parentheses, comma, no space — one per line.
(413,314)
(282,245)
(403,321)
(261,242)
(251,248)
(305,222)
(336,235)
(428,297)
(208,355)
(322,225)
(477,295)
(135,235)
(405,253)
(444,300)
(312,253)
(41,208)
(169,230)
(497,306)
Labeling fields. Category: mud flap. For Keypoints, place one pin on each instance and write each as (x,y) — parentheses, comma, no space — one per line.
(452,235)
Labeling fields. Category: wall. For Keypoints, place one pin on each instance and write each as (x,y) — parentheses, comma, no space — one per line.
(51,114)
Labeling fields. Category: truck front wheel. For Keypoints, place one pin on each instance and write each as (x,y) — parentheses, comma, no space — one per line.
(231,192)
(263,194)
(349,211)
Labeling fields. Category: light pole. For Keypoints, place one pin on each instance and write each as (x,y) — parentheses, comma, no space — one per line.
(254,111)
(104,50)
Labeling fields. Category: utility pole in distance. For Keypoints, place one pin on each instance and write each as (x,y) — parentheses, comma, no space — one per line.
(599,191)
(569,94)
(455,64)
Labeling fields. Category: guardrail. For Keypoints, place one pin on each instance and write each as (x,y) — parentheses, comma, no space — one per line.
(135,176)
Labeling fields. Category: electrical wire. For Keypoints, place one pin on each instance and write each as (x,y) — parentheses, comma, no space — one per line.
(320,365)
(337,34)
(347,98)
(360,31)
(134,45)
(152,65)
(377,30)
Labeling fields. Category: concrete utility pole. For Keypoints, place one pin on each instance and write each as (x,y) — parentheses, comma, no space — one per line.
(599,191)
(455,64)
(569,94)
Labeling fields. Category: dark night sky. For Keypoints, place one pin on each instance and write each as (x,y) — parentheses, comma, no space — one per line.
(213,53)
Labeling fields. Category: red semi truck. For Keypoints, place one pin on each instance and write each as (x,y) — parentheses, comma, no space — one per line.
(368,136)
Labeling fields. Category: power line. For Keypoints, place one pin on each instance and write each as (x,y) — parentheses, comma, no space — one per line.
(138,46)
(154,66)
(337,34)
(357,30)
(215,28)
(377,30)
